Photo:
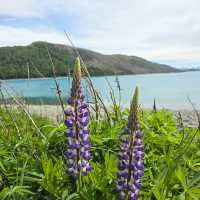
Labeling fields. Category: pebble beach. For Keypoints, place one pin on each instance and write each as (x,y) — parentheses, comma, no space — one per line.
(54,112)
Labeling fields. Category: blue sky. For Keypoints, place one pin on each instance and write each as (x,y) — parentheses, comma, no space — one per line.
(166,31)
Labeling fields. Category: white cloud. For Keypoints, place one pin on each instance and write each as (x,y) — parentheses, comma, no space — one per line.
(21,8)
(10,36)
(154,29)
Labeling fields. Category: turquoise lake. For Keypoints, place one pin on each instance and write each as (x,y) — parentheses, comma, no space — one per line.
(170,90)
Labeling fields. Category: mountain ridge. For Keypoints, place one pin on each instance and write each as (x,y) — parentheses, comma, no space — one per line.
(16,61)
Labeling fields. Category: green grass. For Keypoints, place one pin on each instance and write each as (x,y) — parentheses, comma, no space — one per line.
(33,167)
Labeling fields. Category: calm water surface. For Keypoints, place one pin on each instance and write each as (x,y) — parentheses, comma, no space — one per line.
(169,90)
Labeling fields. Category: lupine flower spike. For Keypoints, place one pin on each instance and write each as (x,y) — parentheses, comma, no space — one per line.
(77,134)
(131,164)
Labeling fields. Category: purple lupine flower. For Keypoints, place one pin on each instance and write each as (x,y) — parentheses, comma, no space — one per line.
(77,134)
(131,155)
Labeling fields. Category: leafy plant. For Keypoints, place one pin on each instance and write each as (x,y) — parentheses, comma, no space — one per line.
(32,165)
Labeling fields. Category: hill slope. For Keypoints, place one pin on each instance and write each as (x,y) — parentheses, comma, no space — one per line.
(14,62)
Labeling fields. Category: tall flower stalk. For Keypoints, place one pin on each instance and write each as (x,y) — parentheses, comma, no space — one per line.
(77,117)
(131,164)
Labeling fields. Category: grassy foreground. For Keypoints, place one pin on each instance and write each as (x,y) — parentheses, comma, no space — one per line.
(32,165)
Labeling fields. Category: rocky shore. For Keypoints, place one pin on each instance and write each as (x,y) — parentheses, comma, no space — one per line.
(55,113)
(189,117)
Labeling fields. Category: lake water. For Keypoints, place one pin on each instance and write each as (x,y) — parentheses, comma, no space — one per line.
(169,90)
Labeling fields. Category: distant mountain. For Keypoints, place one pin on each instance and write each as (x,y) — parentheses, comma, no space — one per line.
(191,69)
(15,62)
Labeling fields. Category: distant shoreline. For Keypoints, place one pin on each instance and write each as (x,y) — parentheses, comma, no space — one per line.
(97,76)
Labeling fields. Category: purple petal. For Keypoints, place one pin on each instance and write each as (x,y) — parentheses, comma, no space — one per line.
(69,122)
(86,155)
